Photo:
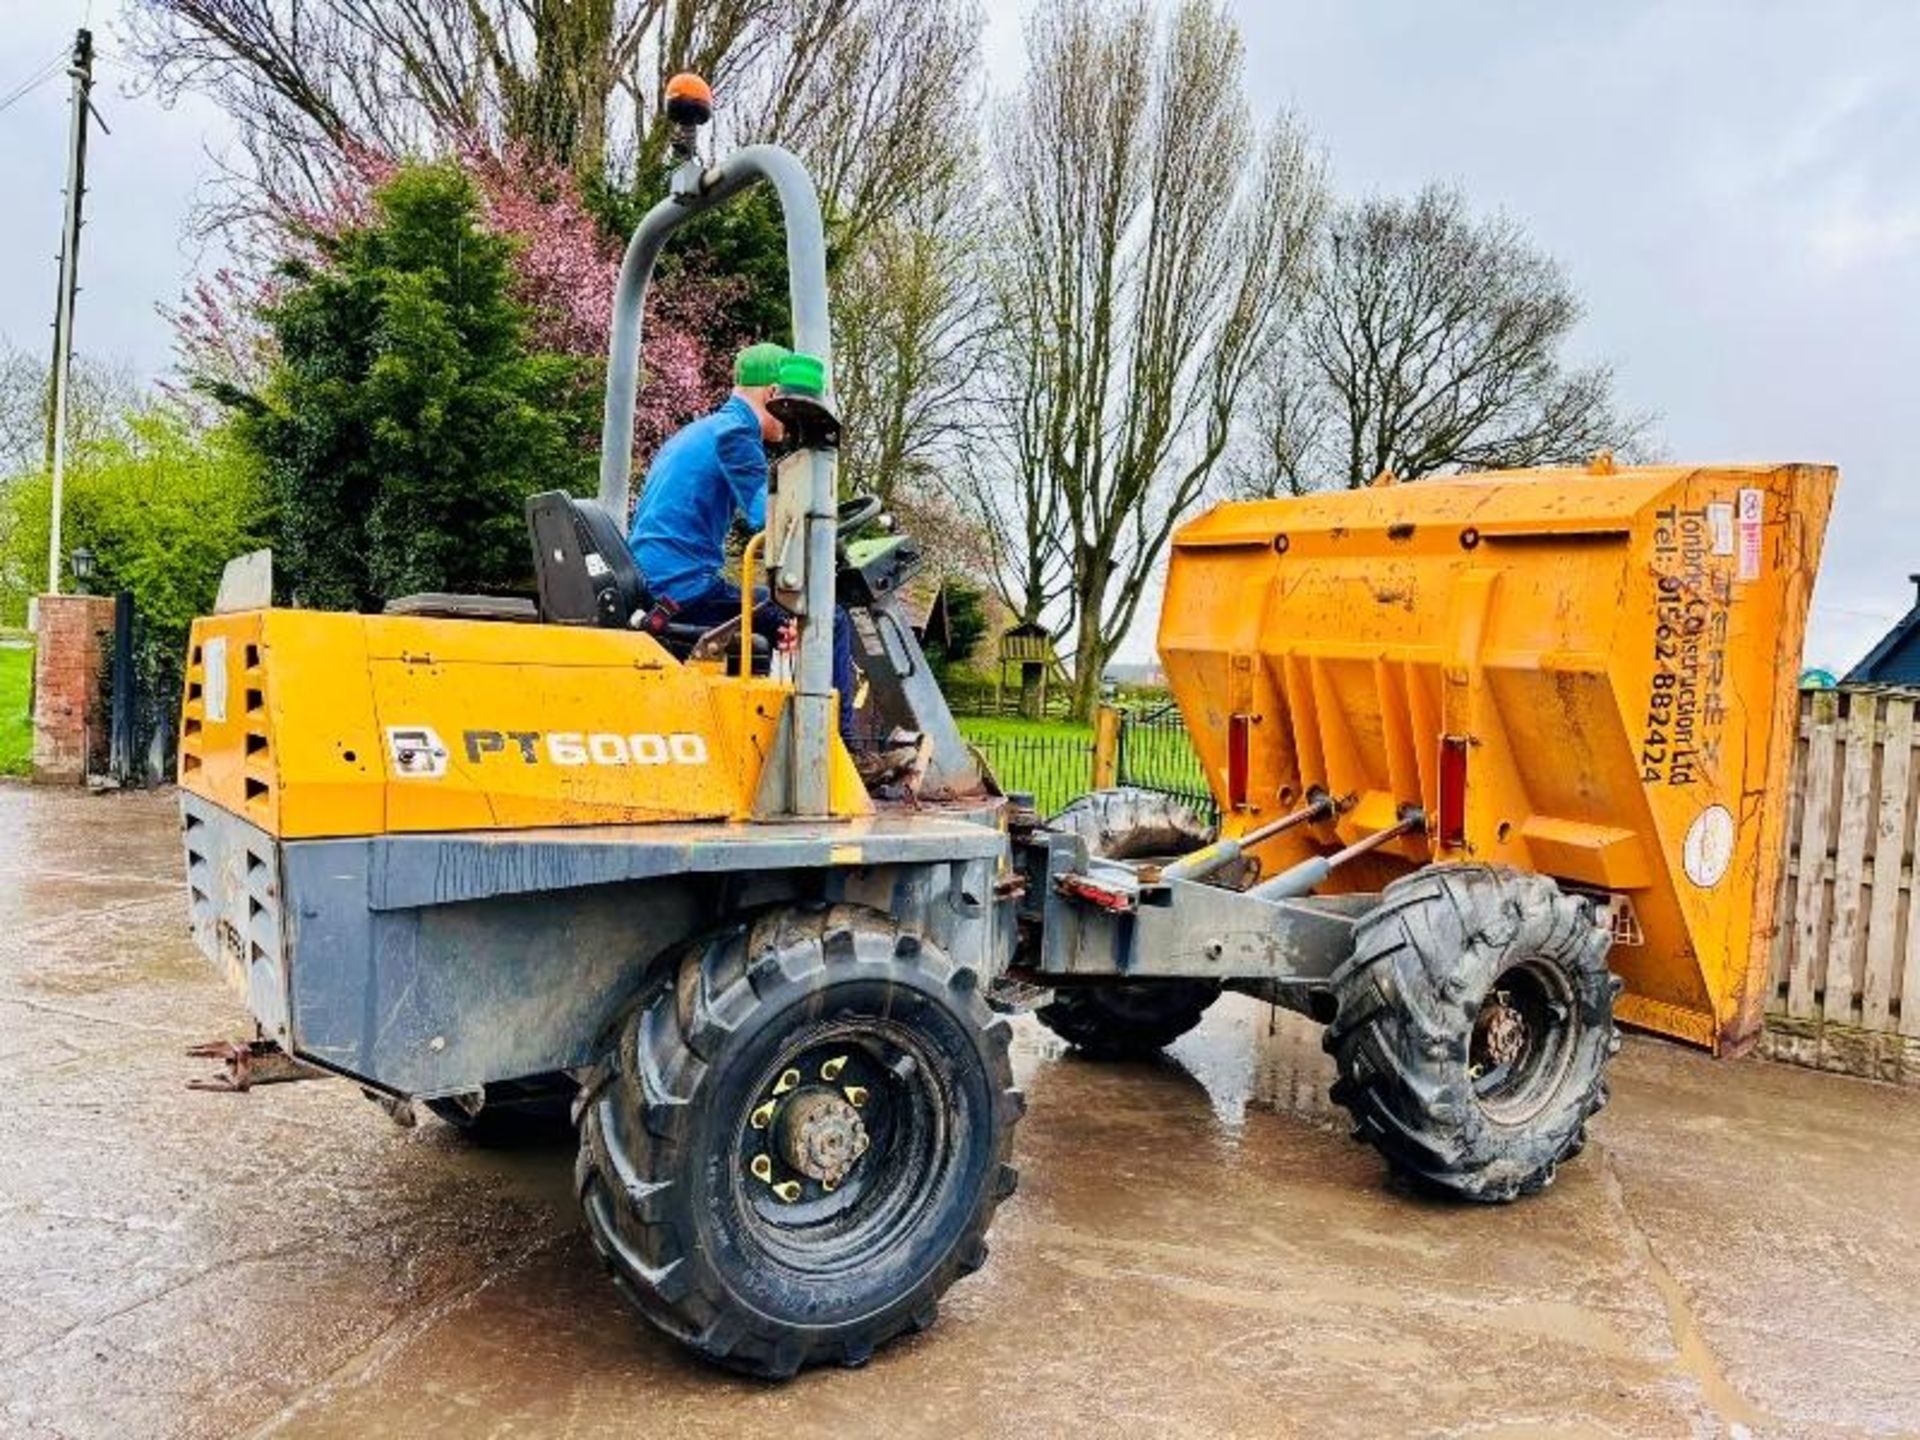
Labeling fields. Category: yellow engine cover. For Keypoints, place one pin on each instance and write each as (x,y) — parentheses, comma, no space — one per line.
(312,724)
(1610,654)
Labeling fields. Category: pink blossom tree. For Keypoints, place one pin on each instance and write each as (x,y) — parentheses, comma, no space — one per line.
(565,272)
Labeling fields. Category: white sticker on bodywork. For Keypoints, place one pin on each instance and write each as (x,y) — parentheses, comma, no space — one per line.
(1720,526)
(1708,848)
(416,752)
(213,657)
(1752,511)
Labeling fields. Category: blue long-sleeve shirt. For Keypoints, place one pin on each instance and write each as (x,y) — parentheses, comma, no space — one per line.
(705,472)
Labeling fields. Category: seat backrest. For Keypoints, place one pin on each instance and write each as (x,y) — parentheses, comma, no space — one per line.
(581,561)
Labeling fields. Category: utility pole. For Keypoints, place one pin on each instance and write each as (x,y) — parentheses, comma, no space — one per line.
(81,69)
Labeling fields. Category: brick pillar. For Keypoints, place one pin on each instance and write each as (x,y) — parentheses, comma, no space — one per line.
(70,732)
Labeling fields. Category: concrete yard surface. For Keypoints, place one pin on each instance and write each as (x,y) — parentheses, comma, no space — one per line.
(1196,1247)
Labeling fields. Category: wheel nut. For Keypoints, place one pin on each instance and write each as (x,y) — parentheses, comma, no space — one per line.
(762,1168)
(762,1117)
(856,1095)
(788,1190)
(831,1070)
(788,1079)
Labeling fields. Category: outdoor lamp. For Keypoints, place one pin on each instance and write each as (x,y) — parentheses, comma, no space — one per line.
(80,562)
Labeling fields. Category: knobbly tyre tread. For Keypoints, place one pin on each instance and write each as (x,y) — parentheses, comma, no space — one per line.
(1407,998)
(637,1149)
(1130,1019)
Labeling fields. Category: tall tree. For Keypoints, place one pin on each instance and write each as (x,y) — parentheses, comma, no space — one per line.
(100,396)
(866,90)
(876,96)
(1155,240)
(310,80)
(911,329)
(1431,340)
(409,414)
(562,276)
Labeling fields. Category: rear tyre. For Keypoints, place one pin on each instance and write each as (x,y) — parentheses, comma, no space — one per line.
(791,1153)
(1473,1028)
(1132,1018)
(1128,1019)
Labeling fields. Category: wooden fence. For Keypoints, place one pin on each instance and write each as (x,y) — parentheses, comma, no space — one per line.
(1846,951)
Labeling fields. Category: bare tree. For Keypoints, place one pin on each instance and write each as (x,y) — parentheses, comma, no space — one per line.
(308,79)
(1430,342)
(879,97)
(102,395)
(865,89)
(911,325)
(1285,428)
(1155,241)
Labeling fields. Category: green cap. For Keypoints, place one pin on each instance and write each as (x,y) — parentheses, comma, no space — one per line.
(759,364)
(805,373)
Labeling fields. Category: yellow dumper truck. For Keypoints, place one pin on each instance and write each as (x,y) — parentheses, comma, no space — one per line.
(1498,759)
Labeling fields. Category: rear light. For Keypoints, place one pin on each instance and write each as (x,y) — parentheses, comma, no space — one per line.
(1452,821)
(1239,759)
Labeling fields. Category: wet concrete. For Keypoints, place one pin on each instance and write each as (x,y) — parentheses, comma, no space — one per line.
(1196,1248)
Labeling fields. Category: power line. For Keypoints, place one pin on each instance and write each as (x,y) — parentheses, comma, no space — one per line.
(39,77)
(52,60)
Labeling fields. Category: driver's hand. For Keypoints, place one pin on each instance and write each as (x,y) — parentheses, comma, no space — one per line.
(788,640)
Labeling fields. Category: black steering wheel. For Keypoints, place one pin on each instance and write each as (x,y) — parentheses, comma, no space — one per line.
(857,511)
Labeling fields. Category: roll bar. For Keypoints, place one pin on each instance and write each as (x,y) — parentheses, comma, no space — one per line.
(803,789)
(696,190)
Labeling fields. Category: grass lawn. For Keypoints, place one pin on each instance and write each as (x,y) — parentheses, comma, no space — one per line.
(16,724)
(1052,758)
(1004,729)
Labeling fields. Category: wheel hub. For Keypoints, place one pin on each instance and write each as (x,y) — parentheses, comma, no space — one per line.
(1523,1042)
(821,1135)
(808,1133)
(1504,1032)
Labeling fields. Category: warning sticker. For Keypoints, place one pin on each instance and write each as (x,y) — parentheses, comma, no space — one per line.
(214,687)
(1752,509)
(1720,524)
(1708,848)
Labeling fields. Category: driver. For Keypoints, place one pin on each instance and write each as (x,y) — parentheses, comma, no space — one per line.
(708,470)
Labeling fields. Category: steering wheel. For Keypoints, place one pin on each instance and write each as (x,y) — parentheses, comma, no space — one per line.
(857,511)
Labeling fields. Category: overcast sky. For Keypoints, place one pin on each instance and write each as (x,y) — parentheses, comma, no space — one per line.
(1731,187)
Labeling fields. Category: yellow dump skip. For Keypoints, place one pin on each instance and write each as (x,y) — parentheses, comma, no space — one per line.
(1611,652)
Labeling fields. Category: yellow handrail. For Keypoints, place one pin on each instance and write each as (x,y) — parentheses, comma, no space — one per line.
(746,600)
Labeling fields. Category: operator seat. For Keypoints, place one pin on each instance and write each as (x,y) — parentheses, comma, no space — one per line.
(587,576)
(585,572)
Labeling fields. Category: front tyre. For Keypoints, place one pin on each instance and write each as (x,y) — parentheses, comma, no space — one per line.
(1474,1024)
(791,1153)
